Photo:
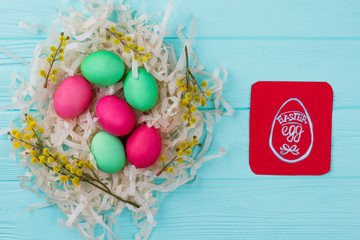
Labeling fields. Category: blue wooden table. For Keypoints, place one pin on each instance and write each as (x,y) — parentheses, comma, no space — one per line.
(312,40)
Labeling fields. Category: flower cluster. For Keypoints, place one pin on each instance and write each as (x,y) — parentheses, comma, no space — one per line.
(67,170)
(54,56)
(60,165)
(18,139)
(193,94)
(182,149)
(127,42)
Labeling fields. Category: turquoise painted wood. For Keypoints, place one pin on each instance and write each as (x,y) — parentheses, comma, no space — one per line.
(313,40)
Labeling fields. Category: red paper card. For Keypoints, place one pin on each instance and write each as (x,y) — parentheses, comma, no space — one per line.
(290,128)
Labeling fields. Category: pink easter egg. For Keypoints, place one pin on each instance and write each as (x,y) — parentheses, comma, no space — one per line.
(115,115)
(143,147)
(72,97)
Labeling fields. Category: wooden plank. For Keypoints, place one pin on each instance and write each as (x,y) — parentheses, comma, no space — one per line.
(249,61)
(17,223)
(307,208)
(264,209)
(229,19)
(235,164)
(233,134)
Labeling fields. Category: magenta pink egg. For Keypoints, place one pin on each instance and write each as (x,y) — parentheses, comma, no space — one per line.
(115,115)
(143,147)
(72,97)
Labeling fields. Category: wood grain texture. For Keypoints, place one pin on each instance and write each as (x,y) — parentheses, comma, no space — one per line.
(298,208)
(228,19)
(249,61)
(298,40)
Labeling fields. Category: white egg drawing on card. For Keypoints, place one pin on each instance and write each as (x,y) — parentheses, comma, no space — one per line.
(292,136)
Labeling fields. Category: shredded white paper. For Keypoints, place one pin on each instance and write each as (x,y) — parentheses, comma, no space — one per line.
(86,206)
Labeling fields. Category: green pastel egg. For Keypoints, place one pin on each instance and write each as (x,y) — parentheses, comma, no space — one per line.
(103,68)
(140,93)
(108,152)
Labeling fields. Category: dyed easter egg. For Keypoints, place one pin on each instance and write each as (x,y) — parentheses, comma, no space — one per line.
(142,92)
(108,152)
(72,97)
(143,146)
(103,68)
(115,115)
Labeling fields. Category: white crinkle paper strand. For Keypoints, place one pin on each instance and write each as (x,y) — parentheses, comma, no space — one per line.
(86,206)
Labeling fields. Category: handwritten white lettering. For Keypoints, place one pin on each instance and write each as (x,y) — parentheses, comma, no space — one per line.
(293,132)
(292,116)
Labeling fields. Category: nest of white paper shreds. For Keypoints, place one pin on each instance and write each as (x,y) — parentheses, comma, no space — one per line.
(86,206)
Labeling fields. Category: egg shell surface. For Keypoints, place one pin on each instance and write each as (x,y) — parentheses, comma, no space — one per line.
(143,147)
(115,115)
(103,68)
(72,97)
(109,152)
(142,92)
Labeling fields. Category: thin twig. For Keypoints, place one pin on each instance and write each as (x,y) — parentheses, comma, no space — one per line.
(52,63)
(197,84)
(110,193)
(124,43)
(187,69)
(90,182)
(164,167)
(98,179)
(32,145)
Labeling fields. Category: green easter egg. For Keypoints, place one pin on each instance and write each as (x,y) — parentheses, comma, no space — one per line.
(140,93)
(108,152)
(103,68)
